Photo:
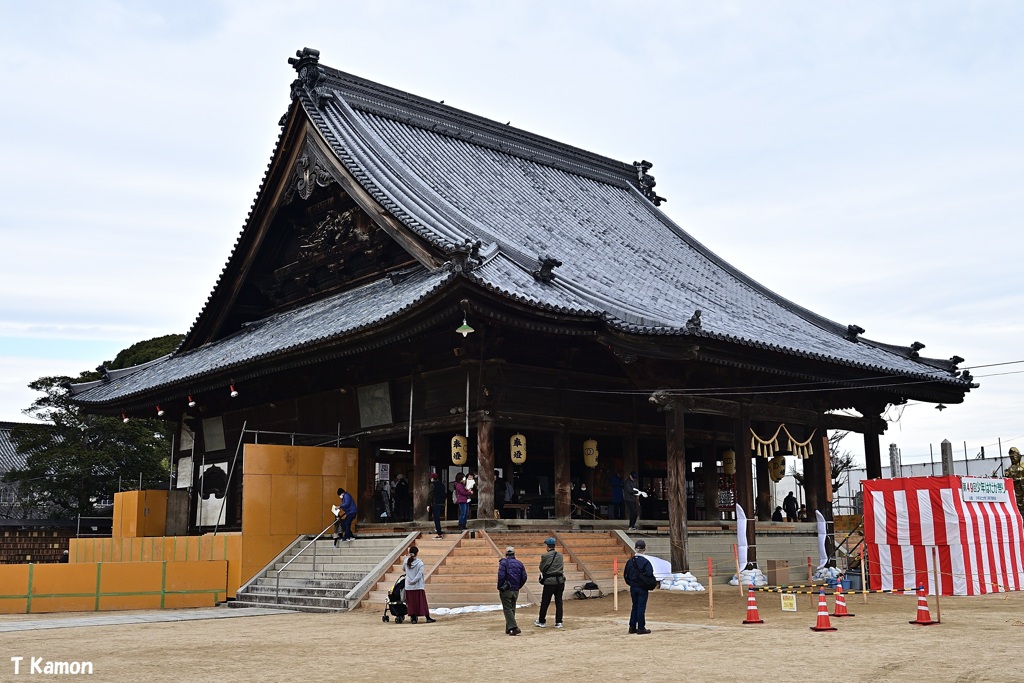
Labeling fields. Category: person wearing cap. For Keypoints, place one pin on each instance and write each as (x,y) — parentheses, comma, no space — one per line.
(438,501)
(511,579)
(638,573)
(631,492)
(552,577)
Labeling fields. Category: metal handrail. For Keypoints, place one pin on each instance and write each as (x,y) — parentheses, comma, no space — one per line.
(277,586)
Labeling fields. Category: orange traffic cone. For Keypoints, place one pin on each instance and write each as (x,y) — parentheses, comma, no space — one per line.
(924,616)
(752,616)
(823,623)
(841,604)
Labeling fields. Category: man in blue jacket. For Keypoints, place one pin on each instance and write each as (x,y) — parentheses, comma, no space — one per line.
(511,578)
(345,512)
(639,576)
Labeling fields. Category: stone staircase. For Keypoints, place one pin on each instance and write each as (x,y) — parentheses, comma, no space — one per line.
(461,571)
(323,582)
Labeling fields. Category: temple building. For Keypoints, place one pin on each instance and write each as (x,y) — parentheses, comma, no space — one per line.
(414,282)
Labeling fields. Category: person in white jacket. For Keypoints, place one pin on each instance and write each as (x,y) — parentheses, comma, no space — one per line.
(415,592)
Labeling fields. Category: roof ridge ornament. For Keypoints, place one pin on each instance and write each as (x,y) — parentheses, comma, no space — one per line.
(693,324)
(545,268)
(311,76)
(647,181)
(465,257)
(853,331)
(914,348)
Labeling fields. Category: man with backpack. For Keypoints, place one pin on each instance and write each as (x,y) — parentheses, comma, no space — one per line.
(639,576)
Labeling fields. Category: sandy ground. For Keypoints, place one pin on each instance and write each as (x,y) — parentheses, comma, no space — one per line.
(976,641)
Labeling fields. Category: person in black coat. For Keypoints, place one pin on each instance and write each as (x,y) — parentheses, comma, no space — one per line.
(789,504)
(438,501)
(639,576)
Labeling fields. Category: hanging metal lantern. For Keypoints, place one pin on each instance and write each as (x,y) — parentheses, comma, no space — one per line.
(458,450)
(590,453)
(777,467)
(729,461)
(517,449)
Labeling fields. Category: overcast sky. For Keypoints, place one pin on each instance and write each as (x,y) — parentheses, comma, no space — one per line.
(865,160)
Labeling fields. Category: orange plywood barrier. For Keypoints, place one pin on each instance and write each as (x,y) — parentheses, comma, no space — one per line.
(87,587)
(14,588)
(140,513)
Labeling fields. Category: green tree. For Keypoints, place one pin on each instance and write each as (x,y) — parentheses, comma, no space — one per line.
(75,459)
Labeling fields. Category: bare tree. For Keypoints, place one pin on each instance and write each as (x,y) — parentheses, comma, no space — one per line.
(842,461)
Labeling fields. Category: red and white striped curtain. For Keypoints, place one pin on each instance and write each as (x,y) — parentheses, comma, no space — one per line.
(979,544)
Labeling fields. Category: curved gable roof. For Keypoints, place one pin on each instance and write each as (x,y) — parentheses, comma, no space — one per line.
(464,184)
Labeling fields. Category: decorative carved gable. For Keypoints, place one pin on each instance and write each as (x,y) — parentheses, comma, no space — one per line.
(319,243)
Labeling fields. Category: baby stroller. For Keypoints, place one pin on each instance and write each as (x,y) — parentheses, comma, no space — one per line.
(396,602)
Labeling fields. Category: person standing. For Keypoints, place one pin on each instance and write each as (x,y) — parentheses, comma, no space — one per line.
(552,577)
(438,501)
(639,576)
(401,496)
(415,587)
(632,493)
(344,513)
(615,481)
(511,579)
(462,497)
(499,495)
(789,504)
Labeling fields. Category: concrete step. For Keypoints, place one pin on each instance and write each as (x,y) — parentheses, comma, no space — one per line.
(323,573)
(301,591)
(297,608)
(335,604)
(331,584)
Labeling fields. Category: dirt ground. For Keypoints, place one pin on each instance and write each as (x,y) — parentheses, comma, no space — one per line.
(976,641)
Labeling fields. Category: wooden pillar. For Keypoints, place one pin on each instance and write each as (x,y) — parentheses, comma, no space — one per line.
(872,455)
(710,470)
(485,468)
(563,487)
(763,500)
(675,456)
(811,475)
(745,482)
(872,412)
(420,478)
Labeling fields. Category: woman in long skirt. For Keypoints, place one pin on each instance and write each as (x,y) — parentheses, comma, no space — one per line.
(415,594)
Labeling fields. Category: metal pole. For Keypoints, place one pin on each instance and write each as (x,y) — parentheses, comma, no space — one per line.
(1000,456)
(191,478)
(202,485)
(967,467)
(931,457)
(412,383)
(231,470)
(170,466)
